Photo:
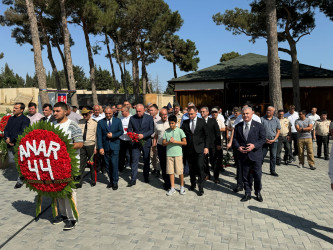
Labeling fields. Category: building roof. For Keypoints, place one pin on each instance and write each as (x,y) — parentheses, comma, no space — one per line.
(250,66)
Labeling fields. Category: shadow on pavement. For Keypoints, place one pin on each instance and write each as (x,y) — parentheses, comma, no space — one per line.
(296,222)
(29,208)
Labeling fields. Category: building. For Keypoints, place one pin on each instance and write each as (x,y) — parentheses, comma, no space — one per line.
(245,78)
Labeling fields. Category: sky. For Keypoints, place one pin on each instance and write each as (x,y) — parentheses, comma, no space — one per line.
(211,41)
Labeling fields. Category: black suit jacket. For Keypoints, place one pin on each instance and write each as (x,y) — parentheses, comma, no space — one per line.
(52,119)
(214,133)
(257,136)
(198,140)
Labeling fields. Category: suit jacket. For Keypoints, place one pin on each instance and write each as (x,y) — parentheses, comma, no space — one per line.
(52,119)
(214,133)
(198,140)
(257,136)
(146,127)
(102,130)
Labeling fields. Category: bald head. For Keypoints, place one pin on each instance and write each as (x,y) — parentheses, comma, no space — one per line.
(140,110)
(96,110)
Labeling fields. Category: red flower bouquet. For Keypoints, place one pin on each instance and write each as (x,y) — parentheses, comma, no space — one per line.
(135,138)
(46,160)
(3,123)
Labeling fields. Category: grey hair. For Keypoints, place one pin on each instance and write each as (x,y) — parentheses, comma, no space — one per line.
(190,104)
(125,108)
(245,108)
(162,110)
(140,104)
(270,107)
(206,108)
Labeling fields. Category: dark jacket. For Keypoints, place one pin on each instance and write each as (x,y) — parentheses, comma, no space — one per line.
(102,130)
(145,127)
(214,133)
(198,140)
(15,127)
(52,119)
(257,136)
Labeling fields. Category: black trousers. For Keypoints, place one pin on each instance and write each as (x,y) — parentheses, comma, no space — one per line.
(196,164)
(239,173)
(161,151)
(252,170)
(215,159)
(283,141)
(125,154)
(85,154)
(100,162)
(293,139)
(322,140)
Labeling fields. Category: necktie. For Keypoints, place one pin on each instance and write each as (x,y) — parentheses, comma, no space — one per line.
(192,127)
(246,131)
(85,131)
(109,124)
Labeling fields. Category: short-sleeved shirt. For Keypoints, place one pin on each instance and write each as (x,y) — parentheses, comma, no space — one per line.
(177,134)
(91,131)
(73,131)
(285,126)
(303,124)
(322,127)
(270,126)
(221,125)
(160,127)
(292,118)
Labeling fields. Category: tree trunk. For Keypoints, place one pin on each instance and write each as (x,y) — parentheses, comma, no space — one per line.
(63,63)
(125,82)
(110,58)
(68,56)
(295,76)
(40,70)
(122,72)
(91,62)
(135,74)
(144,76)
(174,70)
(275,90)
(50,55)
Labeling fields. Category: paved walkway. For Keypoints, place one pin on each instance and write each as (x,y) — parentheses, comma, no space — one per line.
(297,213)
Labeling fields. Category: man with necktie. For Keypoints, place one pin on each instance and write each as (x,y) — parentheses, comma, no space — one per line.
(197,146)
(249,137)
(48,113)
(109,129)
(89,129)
(143,125)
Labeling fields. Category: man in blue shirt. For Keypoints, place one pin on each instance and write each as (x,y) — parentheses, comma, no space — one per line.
(186,116)
(15,127)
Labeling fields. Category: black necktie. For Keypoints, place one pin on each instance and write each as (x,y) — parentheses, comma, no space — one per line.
(85,131)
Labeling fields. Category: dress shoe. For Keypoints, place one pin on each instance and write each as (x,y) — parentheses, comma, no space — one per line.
(238,189)
(274,174)
(286,162)
(146,180)
(259,197)
(278,164)
(326,158)
(131,183)
(246,197)
(192,188)
(207,177)
(115,186)
(78,185)
(93,184)
(312,167)
(110,185)
(18,185)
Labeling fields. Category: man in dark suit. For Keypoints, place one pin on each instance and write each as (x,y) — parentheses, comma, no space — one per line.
(47,112)
(197,146)
(249,137)
(143,125)
(109,129)
(214,144)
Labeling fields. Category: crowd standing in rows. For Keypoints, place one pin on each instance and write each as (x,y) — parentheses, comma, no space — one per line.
(174,142)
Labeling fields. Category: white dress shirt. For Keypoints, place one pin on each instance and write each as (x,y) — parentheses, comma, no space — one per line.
(292,118)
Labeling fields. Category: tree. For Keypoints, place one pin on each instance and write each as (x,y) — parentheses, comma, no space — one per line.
(326,6)
(273,57)
(228,56)
(8,79)
(180,53)
(1,55)
(295,19)
(68,55)
(40,70)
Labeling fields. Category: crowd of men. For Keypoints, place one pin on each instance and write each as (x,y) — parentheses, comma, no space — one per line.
(175,141)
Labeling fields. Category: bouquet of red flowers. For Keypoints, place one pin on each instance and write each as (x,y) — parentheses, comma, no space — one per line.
(3,123)
(135,138)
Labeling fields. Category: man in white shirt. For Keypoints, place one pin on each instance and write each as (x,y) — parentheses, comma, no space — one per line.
(313,117)
(97,115)
(125,141)
(34,116)
(154,112)
(292,116)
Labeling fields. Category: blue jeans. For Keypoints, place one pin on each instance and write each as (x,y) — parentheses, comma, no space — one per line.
(111,164)
(272,153)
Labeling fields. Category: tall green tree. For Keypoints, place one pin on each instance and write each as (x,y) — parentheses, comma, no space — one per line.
(2,55)
(326,6)
(180,53)
(295,19)
(8,79)
(228,56)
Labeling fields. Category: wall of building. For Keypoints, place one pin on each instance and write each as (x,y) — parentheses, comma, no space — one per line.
(159,99)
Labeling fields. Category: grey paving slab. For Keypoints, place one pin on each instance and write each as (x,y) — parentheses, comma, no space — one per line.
(297,213)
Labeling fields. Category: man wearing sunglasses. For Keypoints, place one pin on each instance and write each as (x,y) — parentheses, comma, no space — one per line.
(89,129)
